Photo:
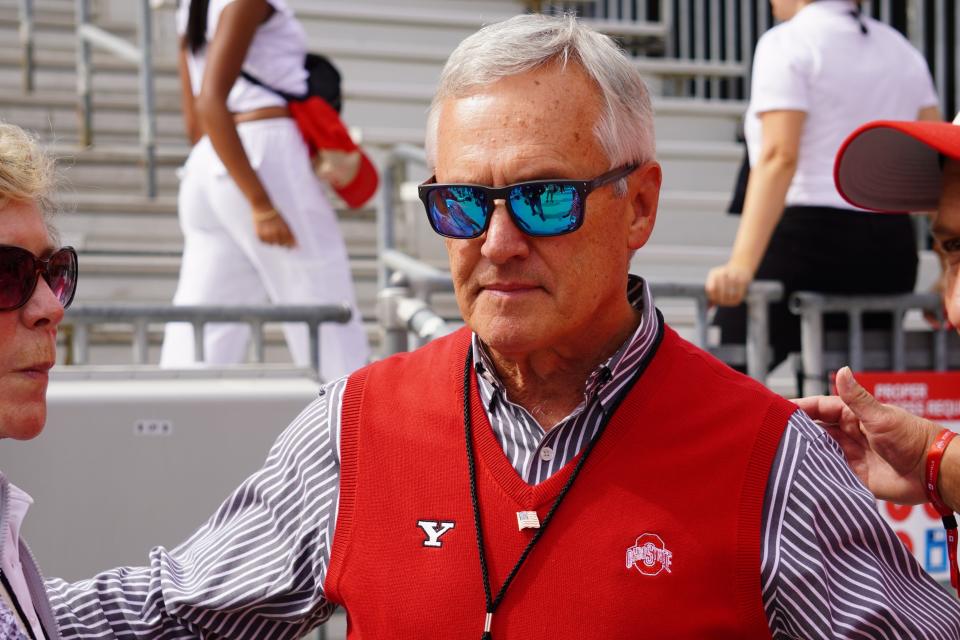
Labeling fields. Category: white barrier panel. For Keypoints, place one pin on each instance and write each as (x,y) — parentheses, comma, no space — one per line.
(126,464)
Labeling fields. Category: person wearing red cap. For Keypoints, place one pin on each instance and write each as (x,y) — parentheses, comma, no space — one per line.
(899,166)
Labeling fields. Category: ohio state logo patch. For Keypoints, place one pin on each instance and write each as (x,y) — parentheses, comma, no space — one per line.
(649,555)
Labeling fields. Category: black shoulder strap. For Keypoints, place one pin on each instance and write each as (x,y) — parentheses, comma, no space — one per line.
(254,80)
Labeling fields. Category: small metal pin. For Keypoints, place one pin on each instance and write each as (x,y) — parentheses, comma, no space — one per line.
(527,520)
(487,623)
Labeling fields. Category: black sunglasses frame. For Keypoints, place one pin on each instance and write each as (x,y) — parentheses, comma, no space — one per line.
(583,187)
(41,266)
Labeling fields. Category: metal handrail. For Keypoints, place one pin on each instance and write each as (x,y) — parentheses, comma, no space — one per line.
(26,44)
(403,315)
(811,308)
(422,278)
(81,316)
(395,161)
(89,35)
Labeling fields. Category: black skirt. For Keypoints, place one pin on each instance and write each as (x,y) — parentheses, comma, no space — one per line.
(829,250)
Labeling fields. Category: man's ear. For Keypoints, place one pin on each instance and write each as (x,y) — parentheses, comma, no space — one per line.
(643,189)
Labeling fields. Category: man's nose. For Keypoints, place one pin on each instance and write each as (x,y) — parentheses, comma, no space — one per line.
(503,240)
(43,309)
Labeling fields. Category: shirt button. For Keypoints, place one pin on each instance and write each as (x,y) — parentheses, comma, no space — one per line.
(546,454)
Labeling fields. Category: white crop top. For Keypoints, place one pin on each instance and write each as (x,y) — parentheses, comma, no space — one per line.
(275,57)
(821,63)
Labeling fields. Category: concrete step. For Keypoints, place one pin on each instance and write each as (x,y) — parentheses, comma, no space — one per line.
(689,167)
(135,224)
(699,166)
(54,16)
(385,113)
(111,222)
(127,277)
(442,23)
(119,169)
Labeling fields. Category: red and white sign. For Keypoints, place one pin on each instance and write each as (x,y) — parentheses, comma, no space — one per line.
(935,396)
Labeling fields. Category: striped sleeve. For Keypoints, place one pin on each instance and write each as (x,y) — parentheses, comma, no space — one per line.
(831,567)
(255,569)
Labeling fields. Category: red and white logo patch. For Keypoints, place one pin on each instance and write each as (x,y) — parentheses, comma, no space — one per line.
(649,555)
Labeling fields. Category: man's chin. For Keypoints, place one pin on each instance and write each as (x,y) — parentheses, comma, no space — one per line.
(510,336)
(25,427)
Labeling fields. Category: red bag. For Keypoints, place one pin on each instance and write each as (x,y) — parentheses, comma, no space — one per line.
(336,156)
(323,131)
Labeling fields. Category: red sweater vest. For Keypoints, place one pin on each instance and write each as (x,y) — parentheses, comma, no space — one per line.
(659,537)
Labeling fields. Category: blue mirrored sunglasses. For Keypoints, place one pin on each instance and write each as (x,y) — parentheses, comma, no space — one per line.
(538,207)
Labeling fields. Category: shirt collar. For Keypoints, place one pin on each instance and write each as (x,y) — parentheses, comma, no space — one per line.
(834,6)
(640,298)
(18,502)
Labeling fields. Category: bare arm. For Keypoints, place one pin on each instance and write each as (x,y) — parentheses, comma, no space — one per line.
(930,114)
(191,126)
(225,54)
(770,178)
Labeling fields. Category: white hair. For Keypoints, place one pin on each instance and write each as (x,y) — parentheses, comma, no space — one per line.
(27,173)
(526,42)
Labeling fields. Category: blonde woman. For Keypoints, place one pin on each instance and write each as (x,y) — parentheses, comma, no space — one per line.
(37,281)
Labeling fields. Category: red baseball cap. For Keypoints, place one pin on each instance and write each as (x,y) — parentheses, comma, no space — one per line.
(894,166)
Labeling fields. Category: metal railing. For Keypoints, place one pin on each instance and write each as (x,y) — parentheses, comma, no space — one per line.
(403,307)
(895,349)
(81,316)
(754,355)
(25,8)
(408,321)
(392,176)
(141,54)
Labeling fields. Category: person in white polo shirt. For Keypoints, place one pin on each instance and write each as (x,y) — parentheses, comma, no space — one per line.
(817,76)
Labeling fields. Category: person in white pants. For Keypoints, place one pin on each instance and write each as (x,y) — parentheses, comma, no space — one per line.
(224,262)
(257,226)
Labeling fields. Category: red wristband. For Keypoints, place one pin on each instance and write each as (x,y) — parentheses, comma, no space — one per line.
(934,457)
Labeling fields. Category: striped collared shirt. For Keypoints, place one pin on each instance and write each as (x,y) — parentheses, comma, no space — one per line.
(830,566)
(537,454)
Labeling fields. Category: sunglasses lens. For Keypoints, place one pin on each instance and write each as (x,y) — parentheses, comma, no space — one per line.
(457,212)
(62,275)
(546,209)
(16,277)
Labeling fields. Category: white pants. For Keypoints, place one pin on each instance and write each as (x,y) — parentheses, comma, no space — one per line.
(224,263)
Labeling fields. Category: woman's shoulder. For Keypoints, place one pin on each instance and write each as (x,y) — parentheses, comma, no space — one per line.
(784,38)
(784,45)
(216,7)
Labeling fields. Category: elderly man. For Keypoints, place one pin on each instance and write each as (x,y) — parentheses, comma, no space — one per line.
(37,282)
(566,466)
(899,166)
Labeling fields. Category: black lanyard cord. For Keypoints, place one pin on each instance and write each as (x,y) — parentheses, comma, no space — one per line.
(493,603)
